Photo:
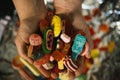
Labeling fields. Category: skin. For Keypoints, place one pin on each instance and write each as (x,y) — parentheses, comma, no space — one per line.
(31,11)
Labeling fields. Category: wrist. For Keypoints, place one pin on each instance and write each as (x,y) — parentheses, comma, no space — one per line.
(79,21)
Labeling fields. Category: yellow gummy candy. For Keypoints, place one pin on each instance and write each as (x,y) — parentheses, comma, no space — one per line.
(60,64)
(33,69)
(56,22)
(64,76)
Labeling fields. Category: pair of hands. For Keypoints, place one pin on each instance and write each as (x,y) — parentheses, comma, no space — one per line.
(28,25)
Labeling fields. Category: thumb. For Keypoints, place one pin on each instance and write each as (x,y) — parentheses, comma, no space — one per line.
(22,48)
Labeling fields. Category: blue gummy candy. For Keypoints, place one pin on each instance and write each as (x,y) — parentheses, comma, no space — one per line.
(78,45)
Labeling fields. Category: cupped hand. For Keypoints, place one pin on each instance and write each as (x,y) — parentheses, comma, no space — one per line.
(73,9)
(27,27)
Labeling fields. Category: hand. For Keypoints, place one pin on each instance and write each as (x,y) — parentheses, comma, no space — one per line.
(73,9)
(67,6)
(27,27)
(29,12)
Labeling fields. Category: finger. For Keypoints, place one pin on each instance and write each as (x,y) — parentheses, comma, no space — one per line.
(22,49)
(89,39)
(86,49)
(54,75)
(88,56)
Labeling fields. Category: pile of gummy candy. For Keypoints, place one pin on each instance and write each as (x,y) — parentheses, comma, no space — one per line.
(55,47)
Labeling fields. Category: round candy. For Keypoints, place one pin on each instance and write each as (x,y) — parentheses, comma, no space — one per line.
(35,40)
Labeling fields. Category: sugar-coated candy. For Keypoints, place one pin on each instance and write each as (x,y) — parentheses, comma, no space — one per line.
(35,40)
(77,46)
(57,55)
(31,67)
(48,40)
(61,64)
(70,65)
(57,24)
(65,38)
(65,49)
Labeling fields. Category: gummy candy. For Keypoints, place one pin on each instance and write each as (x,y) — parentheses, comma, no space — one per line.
(48,40)
(77,46)
(57,24)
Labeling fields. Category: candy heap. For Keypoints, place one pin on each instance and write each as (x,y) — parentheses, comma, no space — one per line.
(56,46)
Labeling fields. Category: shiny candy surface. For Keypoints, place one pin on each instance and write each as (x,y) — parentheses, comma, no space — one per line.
(78,45)
(56,22)
(48,40)
(35,40)
(61,64)
(70,65)
(31,67)
(65,38)
(65,49)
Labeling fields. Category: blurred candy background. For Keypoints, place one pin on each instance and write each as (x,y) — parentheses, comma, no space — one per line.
(103,17)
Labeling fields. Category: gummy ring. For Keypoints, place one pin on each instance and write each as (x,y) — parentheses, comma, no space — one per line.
(35,40)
